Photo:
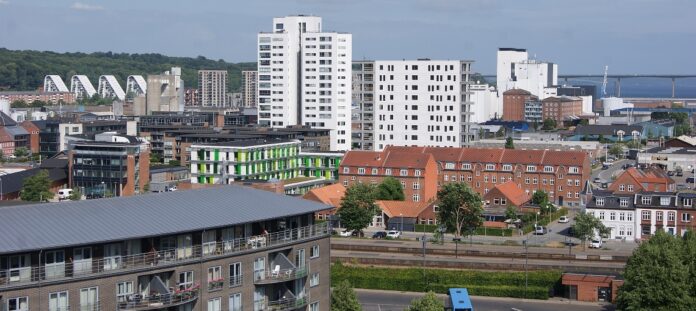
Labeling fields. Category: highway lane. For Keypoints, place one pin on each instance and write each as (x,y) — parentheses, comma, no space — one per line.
(373,300)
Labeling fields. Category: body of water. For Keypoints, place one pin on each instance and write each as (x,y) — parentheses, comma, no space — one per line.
(641,87)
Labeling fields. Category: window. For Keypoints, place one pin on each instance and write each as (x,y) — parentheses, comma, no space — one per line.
(361,170)
(314,280)
(630,188)
(577,182)
(531,168)
(416,198)
(259,268)
(236,274)
(215,280)
(416,185)
(55,264)
(58,301)
(645,200)
(599,201)
(535,181)
(658,215)
(645,215)
(621,230)
(622,216)
(236,302)
(466,166)
(687,202)
(612,216)
(664,201)
(403,172)
(374,171)
(623,202)
(314,251)
(629,216)
(490,167)
(123,290)
(418,172)
(629,231)
(314,306)
(449,166)
(387,171)
(685,217)
(573,170)
(185,280)
(526,180)
(214,304)
(507,167)
(89,299)
(346,170)
(18,304)
(601,215)
(671,216)
(208,242)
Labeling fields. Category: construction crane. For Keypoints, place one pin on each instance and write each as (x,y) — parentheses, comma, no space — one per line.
(604,82)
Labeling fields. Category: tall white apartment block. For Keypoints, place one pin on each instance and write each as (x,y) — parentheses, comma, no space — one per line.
(484,103)
(249,83)
(412,103)
(516,71)
(304,78)
(212,88)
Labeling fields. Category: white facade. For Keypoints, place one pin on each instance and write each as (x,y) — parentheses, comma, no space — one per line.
(109,88)
(516,71)
(136,85)
(484,103)
(650,219)
(304,78)
(54,83)
(415,103)
(622,223)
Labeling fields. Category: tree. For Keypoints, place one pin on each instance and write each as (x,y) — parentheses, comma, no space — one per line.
(155,158)
(343,298)
(509,144)
(460,207)
(36,188)
(358,207)
(390,189)
(549,124)
(429,302)
(587,227)
(21,152)
(511,212)
(174,163)
(659,275)
(600,138)
(76,195)
(616,150)
(540,197)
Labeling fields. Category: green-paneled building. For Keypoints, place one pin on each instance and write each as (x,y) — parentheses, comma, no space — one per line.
(223,163)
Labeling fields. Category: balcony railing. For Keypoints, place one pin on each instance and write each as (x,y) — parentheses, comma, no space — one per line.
(286,304)
(88,268)
(160,301)
(281,275)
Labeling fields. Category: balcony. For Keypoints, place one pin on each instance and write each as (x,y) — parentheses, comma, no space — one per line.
(159,301)
(66,271)
(285,304)
(278,275)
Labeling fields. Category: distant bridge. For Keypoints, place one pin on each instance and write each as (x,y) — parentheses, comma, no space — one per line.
(618,78)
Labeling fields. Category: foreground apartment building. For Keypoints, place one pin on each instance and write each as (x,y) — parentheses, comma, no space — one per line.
(219,248)
(561,174)
(405,103)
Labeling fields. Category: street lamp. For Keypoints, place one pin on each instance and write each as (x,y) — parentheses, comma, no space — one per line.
(401,215)
(103,189)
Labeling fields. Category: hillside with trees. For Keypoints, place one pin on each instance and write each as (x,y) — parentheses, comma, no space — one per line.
(25,70)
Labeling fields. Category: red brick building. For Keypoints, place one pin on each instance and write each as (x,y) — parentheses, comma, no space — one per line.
(417,171)
(561,174)
(591,288)
(634,180)
(561,108)
(513,104)
(33,130)
(31,96)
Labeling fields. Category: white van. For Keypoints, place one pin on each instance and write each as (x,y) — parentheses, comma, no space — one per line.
(64,194)
(596,243)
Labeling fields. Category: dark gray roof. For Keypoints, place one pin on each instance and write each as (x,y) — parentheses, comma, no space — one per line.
(6,120)
(54,225)
(14,182)
(611,200)
(607,130)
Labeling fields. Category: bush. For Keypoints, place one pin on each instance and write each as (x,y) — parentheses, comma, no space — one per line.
(481,283)
(479,231)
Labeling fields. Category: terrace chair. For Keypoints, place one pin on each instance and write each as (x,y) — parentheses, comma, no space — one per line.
(276,271)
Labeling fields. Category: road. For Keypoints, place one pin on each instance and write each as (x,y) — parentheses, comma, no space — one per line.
(372,300)
(615,169)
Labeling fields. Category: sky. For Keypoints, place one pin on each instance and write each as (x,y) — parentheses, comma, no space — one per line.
(582,36)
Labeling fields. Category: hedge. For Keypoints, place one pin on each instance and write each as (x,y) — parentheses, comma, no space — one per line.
(479,231)
(480,283)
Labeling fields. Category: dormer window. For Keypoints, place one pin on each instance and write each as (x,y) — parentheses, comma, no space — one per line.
(645,200)
(449,166)
(686,202)
(490,167)
(466,166)
(600,201)
(346,170)
(664,201)
(403,172)
(623,202)
(507,167)
(531,168)
(573,170)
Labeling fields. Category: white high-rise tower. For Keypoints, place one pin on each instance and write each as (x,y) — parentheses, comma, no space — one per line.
(304,77)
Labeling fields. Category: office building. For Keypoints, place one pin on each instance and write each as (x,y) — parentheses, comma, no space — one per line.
(111,165)
(165,94)
(249,84)
(220,248)
(561,109)
(212,88)
(304,77)
(533,111)
(226,162)
(412,103)
(514,104)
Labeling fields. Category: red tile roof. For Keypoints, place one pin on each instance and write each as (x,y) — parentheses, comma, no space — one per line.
(515,195)
(387,158)
(329,195)
(517,92)
(498,155)
(402,208)
(649,175)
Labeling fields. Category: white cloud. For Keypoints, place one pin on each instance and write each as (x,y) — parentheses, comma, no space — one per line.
(84,7)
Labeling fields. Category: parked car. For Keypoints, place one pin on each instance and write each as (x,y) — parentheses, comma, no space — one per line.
(596,243)
(563,219)
(64,194)
(597,180)
(346,233)
(539,230)
(379,235)
(605,166)
(394,234)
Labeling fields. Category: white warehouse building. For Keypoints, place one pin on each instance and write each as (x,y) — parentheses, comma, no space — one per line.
(304,78)
(412,102)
